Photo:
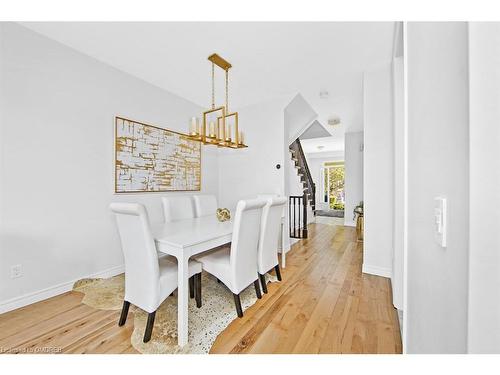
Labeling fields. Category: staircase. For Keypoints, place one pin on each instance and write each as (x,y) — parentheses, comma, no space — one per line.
(303,171)
(297,208)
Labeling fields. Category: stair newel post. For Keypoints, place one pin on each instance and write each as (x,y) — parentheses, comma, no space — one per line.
(313,202)
(304,225)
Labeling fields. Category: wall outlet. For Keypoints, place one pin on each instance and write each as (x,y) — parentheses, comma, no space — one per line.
(16,271)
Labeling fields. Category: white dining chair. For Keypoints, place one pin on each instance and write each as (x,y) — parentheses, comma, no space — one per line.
(236,266)
(177,208)
(270,232)
(204,205)
(149,280)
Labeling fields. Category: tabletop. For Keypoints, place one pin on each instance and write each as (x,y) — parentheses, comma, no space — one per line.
(190,232)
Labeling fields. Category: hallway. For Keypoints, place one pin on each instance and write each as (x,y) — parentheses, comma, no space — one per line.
(324,304)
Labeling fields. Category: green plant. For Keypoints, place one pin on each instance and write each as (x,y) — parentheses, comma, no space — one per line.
(338,206)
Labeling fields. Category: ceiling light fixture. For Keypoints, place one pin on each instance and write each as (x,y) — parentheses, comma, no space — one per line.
(218,124)
(334,121)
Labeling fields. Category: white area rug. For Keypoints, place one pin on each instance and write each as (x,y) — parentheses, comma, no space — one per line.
(205,323)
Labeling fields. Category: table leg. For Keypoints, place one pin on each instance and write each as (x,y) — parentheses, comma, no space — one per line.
(182,300)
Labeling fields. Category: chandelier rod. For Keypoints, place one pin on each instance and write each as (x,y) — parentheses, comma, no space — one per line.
(213,85)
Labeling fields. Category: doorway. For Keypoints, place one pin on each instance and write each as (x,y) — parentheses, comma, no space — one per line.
(334,194)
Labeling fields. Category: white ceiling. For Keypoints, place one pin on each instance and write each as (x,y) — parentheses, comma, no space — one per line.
(322,145)
(269,59)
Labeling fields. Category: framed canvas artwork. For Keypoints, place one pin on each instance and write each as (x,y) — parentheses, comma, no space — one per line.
(152,159)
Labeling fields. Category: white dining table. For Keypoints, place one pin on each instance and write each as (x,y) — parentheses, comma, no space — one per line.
(184,239)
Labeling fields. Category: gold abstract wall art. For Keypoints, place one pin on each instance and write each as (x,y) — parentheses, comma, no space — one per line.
(149,159)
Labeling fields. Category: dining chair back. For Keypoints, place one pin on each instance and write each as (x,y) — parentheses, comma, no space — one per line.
(177,208)
(270,230)
(236,266)
(245,239)
(139,251)
(205,205)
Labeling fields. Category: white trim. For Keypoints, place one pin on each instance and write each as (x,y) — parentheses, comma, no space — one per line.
(377,271)
(405,191)
(349,223)
(40,295)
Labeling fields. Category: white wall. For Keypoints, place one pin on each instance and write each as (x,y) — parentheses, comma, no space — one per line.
(399,182)
(484,194)
(295,186)
(245,173)
(57,174)
(378,172)
(2,86)
(299,115)
(438,159)
(353,174)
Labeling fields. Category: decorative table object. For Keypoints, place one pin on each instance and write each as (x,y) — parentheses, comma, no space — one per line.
(223,214)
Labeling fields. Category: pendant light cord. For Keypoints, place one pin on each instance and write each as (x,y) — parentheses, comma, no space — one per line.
(227,91)
(213,86)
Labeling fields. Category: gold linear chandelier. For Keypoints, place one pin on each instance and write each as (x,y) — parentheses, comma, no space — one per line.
(218,125)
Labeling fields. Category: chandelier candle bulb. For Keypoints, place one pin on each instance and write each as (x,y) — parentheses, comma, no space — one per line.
(193,127)
(241,138)
(212,129)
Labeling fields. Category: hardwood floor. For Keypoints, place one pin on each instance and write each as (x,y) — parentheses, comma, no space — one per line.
(323,305)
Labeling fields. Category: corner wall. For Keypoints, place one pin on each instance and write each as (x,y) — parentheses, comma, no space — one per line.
(484,194)
(399,183)
(353,174)
(438,165)
(378,172)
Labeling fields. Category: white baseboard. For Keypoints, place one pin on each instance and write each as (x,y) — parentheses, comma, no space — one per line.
(40,295)
(400,318)
(377,271)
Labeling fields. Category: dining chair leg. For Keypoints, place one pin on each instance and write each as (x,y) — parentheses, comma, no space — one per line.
(149,326)
(263,282)
(191,287)
(237,302)
(257,289)
(278,272)
(123,316)
(197,291)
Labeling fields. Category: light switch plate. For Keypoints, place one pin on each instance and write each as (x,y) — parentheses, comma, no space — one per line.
(440,220)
